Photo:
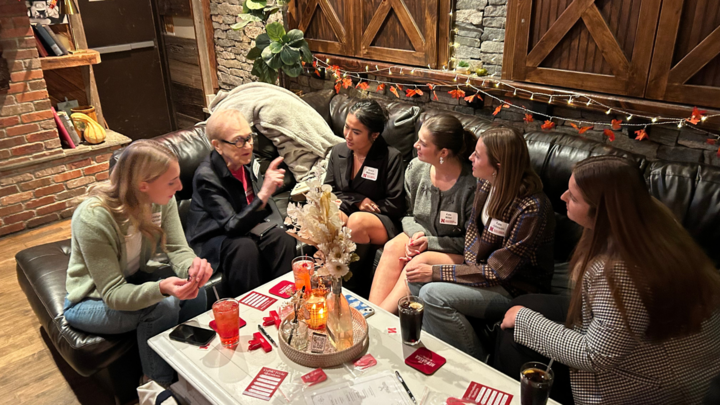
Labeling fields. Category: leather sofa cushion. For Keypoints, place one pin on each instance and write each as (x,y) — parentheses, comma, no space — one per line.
(191,146)
(692,192)
(41,272)
(320,102)
(399,131)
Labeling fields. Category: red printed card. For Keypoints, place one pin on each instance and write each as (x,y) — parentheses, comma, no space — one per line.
(264,385)
(425,361)
(258,301)
(365,361)
(283,289)
(484,395)
(314,377)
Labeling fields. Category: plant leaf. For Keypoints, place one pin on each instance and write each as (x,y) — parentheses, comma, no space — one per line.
(249,17)
(457,93)
(616,125)
(293,71)
(255,4)
(270,10)
(294,37)
(264,72)
(394,91)
(275,31)
(548,125)
(272,59)
(262,41)
(240,25)
(641,134)
(289,56)
(305,52)
(275,47)
(380,87)
(254,53)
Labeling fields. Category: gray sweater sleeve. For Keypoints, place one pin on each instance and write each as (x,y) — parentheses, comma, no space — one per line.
(413,174)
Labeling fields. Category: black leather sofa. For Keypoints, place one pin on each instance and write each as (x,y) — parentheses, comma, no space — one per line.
(692,191)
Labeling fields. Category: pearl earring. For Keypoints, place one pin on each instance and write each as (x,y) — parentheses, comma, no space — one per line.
(442,160)
(494,174)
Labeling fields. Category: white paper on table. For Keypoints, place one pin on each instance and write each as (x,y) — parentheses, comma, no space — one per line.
(361,391)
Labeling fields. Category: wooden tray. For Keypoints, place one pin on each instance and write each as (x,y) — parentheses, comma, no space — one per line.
(331,358)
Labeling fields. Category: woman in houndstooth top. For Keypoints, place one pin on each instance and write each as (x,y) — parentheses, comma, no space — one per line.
(643,326)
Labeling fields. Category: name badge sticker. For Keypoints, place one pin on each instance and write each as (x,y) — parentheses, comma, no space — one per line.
(498,228)
(448,218)
(256,168)
(370,173)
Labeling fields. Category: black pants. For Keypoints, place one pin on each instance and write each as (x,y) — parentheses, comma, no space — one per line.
(510,356)
(248,262)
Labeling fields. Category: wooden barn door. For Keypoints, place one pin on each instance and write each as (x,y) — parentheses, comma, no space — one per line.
(686,64)
(324,25)
(401,31)
(595,45)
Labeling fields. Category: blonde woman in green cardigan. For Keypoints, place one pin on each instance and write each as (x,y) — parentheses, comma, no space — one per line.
(111,285)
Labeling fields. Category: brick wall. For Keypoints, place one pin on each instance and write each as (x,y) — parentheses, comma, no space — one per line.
(26,122)
(39,181)
(479,32)
(47,192)
(664,142)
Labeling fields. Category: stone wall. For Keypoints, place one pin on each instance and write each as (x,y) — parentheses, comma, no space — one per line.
(231,46)
(479,28)
(665,142)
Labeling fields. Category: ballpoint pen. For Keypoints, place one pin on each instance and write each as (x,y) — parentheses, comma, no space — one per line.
(262,330)
(405,386)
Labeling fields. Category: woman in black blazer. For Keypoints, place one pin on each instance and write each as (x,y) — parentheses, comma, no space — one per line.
(367,176)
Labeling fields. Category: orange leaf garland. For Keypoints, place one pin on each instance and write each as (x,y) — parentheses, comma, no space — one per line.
(610,134)
(548,125)
(418,92)
(581,130)
(497,110)
(616,124)
(457,93)
(528,118)
(696,116)
(315,64)
(641,134)
(380,87)
(409,92)
(362,85)
(347,82)
(399,87)
(711,141)
(475,96)
(337,87)
(317,72)
(393,90)
(435,97)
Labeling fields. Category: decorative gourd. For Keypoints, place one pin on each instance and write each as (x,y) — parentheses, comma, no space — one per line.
(93,132)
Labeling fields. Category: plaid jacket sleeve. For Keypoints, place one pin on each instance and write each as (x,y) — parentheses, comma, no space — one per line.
(604,339)
(524,233)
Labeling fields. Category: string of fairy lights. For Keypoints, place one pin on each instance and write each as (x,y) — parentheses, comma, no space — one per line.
(470,81)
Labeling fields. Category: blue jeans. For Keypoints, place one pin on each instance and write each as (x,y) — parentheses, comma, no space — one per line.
(92,315)
(448,304)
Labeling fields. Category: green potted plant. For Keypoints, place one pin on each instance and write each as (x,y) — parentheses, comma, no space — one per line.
(275,50)
(463,67)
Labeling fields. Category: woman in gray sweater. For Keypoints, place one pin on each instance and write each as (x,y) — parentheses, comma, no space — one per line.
(439,187)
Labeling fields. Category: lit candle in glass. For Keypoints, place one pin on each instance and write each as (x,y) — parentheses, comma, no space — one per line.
(316,308)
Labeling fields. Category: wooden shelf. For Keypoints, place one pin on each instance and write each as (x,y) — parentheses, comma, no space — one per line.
(84,58)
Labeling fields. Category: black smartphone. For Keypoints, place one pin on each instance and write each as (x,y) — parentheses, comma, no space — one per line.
(192,335)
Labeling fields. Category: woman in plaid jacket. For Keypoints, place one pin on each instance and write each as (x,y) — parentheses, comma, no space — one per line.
(643,326)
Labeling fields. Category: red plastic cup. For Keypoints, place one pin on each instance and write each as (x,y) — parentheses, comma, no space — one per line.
(227,320)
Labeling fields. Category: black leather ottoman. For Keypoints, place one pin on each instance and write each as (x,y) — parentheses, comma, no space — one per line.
(112,360)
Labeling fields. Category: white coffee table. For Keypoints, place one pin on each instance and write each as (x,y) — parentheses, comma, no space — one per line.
(221,375)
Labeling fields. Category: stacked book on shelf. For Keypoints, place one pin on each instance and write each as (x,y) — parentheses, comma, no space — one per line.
(68,135)
(50,43)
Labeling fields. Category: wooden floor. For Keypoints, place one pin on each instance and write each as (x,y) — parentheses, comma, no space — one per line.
(31,373)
